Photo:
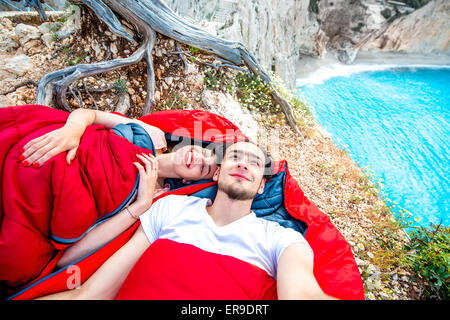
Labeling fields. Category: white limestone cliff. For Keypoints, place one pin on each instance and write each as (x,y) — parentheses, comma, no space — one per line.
(281,32)
(425,31)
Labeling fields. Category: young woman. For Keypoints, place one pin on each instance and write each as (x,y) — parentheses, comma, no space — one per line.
(188,163)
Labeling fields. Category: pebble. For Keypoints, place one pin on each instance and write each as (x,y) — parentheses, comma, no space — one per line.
(360,262)
(169,80)
(384,296)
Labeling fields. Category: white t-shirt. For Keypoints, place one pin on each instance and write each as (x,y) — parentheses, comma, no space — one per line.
(184,219)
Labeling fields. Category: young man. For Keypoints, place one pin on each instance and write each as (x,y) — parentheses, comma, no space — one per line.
(227,226)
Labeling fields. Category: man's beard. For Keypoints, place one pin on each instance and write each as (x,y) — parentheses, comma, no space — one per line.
(235,192)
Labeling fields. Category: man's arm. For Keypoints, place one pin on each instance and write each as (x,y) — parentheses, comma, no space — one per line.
(295,277)
(108,279)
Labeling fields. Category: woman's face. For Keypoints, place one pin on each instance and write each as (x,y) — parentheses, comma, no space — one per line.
(194,163)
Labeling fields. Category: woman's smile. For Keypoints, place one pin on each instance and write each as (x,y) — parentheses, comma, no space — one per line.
(189,158)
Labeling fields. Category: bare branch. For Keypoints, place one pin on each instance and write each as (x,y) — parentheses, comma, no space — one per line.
(17,86)
(150,17)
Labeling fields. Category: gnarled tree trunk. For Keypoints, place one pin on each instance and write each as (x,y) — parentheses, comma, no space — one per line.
(148,18)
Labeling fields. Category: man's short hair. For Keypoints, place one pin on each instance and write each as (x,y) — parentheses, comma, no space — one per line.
(220,149)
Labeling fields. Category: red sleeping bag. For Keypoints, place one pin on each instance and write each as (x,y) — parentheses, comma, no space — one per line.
(334,265)
(227,278)
(46,209)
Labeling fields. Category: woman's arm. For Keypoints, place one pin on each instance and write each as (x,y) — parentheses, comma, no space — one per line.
(111,228)
(67,138)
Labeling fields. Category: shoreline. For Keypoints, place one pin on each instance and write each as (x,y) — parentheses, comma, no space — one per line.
(322,69)
(313,70)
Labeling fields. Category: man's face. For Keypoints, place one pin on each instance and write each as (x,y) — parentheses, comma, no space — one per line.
(241,173)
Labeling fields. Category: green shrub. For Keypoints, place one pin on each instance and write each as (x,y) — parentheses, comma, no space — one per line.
(429,257)
(251,92)
(254,94)
(313,6)
(120,86)
(174,101)
(194,50)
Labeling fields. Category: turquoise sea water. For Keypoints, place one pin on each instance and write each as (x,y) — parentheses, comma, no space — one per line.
(396,122)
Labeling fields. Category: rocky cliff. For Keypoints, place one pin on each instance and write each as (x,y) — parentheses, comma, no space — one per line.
(425,31)
(276,32)
(281,32)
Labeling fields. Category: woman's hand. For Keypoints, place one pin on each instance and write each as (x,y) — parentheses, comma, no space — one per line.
(39,150)
(148,176)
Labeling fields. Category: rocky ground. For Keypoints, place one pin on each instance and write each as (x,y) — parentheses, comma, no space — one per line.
(327,174)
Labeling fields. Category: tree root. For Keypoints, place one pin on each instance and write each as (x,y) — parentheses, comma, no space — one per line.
(90,95)
(150,17)
(181,53)
(63,78)
(22,84)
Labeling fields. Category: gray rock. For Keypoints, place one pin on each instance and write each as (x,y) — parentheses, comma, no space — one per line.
(17,65)
(384,296)
(169,80)
(7,44)
(360,262)
(123,104)
(65,33)
(26,33)
(4,101)
(48,39)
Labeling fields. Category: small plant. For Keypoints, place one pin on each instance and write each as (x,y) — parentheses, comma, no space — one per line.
(302,112)
(175,101)
(120,86)
(212,80)
(194,51)
(55,27)
(62,19)
(429,257)
(251,92)
(76,59)
(254,94)
(65,49)
(54,37)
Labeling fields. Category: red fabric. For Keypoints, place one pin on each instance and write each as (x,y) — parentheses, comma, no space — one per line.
(195,124)
(334,265)
(56,199)
(60,280)
(169,270)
